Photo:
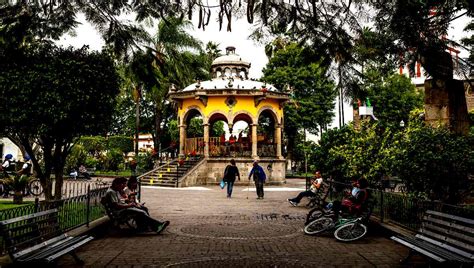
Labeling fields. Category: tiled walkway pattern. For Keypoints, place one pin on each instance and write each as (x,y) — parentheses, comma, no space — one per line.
(209,230)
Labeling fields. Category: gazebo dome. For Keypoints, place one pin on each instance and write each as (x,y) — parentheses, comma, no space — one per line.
(230,72)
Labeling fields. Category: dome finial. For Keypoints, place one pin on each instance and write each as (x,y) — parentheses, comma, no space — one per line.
(230,50)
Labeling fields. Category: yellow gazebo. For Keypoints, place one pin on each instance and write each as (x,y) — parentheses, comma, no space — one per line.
(231,97)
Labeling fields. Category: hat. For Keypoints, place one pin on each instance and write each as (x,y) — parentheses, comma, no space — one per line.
(27,158)
(317,173)
(8,156)
(255,161)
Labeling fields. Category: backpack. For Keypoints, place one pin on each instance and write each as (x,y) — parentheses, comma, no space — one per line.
(226,173)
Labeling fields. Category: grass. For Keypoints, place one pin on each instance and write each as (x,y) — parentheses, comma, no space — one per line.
(8,203)
(122,173)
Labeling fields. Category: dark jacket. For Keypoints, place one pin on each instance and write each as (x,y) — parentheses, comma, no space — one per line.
(230,173)
(258,173)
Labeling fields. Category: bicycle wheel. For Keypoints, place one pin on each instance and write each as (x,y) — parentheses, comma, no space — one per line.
(35,187)
(313,214)
(319,225)
(350,232)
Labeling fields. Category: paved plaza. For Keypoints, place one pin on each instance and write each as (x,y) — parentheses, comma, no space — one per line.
(209,230)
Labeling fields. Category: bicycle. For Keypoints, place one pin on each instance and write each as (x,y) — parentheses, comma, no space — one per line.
(345,229)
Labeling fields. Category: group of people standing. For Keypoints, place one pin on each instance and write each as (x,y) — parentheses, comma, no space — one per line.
(257,173)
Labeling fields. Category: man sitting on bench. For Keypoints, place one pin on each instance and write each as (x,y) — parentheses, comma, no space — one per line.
(124,209)
(315,185)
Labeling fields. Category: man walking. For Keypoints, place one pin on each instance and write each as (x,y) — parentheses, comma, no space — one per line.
(259,178)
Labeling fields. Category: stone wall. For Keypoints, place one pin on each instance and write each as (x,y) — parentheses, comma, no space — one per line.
(445,104)
(211,171)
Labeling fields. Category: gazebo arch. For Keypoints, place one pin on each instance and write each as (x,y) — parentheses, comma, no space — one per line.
(189,113)
(270,110)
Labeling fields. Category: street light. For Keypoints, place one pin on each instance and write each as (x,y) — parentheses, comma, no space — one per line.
(402,124)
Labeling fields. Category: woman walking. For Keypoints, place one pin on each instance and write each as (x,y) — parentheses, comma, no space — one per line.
(231,171)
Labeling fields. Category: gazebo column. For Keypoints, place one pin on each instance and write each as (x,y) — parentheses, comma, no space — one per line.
(254,141)
(206,140)
(278,141)
(182,139)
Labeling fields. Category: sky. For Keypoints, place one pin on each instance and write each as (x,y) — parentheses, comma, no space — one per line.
(249,50)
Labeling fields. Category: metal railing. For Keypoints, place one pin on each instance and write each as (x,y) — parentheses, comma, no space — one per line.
(73,212)
(399,208)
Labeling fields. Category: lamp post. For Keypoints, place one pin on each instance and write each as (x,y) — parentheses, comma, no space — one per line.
(136,96)
(402,124)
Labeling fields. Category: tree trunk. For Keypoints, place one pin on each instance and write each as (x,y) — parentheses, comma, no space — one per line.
(18,197)
(445,104)
(158,118)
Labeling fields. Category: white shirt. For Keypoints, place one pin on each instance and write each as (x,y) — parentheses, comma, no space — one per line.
(6,164)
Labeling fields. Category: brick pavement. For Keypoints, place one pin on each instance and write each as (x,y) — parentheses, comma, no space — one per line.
(209,230)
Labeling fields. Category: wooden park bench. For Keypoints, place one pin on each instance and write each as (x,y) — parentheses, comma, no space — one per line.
(444,238)
(37,238)
(320,197)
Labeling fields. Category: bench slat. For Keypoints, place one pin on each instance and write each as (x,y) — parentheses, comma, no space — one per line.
(39,251)
(66,245)
(424,252)
(446,246)
(27,217)
(449,216)
(85,240)
(433,249)
(449,224)
(24,252)
(448,232)
(448,239)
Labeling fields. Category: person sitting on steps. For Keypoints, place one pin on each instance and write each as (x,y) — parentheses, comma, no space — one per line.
(144,222)
(315,185)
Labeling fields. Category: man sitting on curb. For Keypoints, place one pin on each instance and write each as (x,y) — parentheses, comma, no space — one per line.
(144,222)
(315,185)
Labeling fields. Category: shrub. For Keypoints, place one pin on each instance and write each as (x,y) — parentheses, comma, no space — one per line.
(113,159)
(77,156)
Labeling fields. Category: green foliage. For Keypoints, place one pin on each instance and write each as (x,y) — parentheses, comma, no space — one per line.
(195,128)
(92,162)
(392,97)
(312,91)
(435,161)
(18,182)
(121,143)
(113,159)
(76,158)
(56,96)
(431,162)
(93,144)
(145,161)
(217,129)
(173,130)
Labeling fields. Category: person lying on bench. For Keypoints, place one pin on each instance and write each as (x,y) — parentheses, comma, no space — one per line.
(315,185)
(144,222)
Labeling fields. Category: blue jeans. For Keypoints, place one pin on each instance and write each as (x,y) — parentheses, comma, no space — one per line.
(230,186)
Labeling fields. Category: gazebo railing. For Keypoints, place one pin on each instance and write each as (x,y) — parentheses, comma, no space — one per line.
(223,149)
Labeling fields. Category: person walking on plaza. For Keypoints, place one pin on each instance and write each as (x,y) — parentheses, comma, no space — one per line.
(231,171)
(315,185)
(144,222)
(259,178)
